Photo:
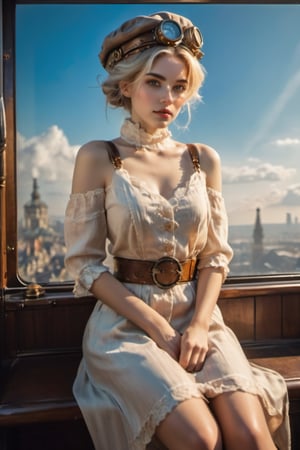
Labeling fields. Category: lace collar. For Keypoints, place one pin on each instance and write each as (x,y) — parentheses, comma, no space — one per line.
(135,135)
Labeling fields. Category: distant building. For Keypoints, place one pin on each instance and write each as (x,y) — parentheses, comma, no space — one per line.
(41,247)
(35,210)
(258,245)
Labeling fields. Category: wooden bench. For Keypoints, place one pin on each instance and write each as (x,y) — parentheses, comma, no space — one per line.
(37,407)
(37,391)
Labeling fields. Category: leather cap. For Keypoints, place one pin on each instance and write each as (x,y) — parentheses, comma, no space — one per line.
(135,27)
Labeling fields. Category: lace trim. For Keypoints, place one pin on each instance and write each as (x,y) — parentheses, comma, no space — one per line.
(218,261)
(179,191)
(88,275)
(213,193)
(82,206)
(235,382)
(161,409)
(135,135)
(87,195)
(276,415)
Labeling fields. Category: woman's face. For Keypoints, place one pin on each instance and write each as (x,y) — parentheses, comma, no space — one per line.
(158,97)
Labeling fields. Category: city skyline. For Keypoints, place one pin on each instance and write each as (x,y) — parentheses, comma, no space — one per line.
(258,248)
(250,111)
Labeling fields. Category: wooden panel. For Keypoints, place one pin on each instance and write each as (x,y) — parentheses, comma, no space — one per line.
(50,436)
(291,316)
(239,316)
(52,323)
(51,327)
(264,287)
(10,338)
(268,317)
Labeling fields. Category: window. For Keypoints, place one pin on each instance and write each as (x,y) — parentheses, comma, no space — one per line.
(250,113)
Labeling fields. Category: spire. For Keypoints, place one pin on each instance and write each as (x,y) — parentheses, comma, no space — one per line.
(257,246)
(258,234)
(35,195)
(35,210)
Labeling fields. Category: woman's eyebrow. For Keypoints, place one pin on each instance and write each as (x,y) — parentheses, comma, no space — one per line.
(161,77)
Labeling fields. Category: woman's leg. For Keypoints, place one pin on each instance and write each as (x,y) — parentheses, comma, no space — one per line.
(242,421)
(190,426)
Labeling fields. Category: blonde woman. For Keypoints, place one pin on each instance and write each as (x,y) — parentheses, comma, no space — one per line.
(160,369)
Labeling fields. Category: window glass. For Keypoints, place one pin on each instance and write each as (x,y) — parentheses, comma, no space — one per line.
(250,114)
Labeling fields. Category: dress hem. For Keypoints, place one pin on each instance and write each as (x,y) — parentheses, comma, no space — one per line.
(161,409)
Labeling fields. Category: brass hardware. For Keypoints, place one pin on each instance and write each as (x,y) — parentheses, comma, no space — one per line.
(34,291)
(166,264)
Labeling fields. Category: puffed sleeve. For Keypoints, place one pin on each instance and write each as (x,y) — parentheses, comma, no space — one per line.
(217,252)
(85,237)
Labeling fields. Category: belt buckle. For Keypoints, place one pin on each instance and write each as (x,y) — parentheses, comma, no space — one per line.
(166,264)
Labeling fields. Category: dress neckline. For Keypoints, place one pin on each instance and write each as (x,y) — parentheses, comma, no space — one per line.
(135,182)
(132,133)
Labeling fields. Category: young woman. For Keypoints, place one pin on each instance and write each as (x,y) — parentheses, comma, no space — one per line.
(160,369)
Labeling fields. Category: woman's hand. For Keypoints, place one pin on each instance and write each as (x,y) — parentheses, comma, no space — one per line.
(193,349)
(188,349)
(167,339)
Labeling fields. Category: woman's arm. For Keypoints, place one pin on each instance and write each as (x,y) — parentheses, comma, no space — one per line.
(194,342)
(114,294)
(93,171)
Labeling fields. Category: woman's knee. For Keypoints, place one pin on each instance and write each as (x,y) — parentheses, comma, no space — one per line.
(209,440)
(242,422)
(254,437)
(190,426)
(195,439)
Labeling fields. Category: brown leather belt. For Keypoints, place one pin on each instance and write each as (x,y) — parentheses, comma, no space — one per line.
(165,272)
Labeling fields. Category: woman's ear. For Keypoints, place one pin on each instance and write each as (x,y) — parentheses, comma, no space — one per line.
(125,88)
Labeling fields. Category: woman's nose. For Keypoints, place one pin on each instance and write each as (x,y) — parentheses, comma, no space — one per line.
(166,97)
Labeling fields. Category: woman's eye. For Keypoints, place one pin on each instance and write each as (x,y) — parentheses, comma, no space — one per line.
(180,88)
(154,83)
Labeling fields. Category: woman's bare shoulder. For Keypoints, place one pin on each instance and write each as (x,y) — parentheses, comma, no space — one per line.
(209,157)
(93,152)
(92,167)
(210,163)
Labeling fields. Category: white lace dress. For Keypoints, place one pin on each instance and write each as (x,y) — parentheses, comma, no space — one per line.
(125,384)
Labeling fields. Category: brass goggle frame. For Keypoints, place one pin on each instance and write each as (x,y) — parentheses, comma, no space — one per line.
(190,38)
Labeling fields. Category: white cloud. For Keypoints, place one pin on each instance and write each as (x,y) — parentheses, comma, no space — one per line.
(274,201)
(50,155)
(286,142)
(292,196)
(256,170)
(50,158)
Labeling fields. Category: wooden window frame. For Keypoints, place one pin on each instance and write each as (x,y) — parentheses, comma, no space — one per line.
(8,178)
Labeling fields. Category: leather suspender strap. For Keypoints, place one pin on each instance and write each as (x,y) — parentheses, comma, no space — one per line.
(116,161)
(114,154)
(194,153)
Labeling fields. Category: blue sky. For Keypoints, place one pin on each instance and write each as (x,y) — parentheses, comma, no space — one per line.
(251,98)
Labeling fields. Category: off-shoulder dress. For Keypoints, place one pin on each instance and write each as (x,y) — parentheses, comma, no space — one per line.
(125,383)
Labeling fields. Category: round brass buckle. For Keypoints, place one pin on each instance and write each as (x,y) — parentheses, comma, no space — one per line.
(166,267)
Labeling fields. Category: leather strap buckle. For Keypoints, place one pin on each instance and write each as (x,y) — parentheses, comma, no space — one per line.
(166,268)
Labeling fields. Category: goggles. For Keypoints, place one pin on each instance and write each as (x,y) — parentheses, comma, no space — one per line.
(168,33)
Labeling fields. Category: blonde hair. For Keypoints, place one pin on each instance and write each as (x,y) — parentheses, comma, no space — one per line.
(135,67)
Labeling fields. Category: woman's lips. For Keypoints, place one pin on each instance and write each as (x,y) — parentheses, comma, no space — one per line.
(165,113)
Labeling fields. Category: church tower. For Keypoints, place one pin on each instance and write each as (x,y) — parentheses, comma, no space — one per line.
(257,246)
(35,211)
